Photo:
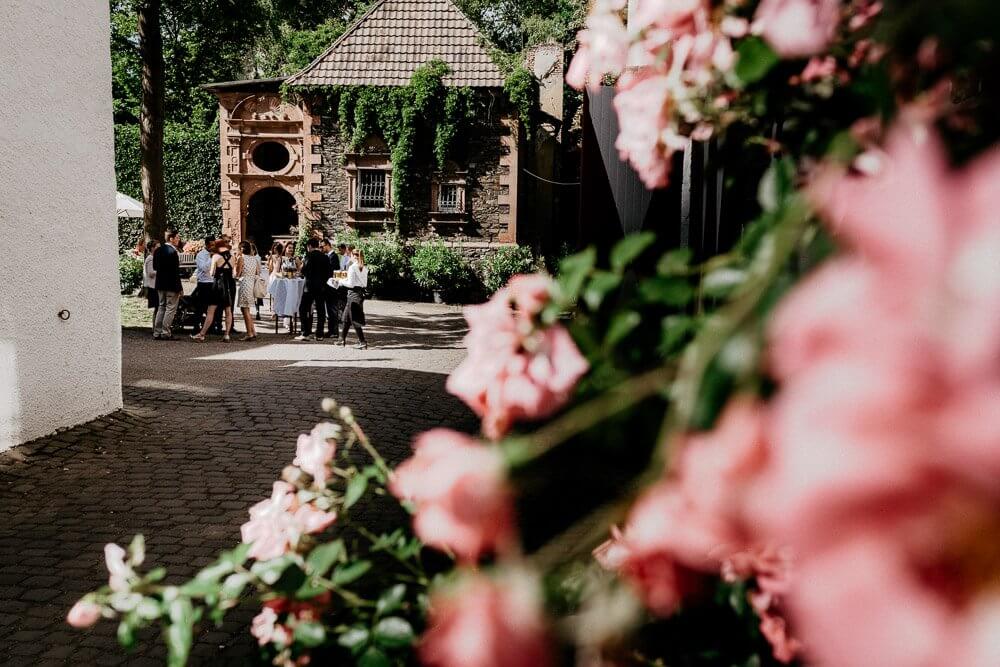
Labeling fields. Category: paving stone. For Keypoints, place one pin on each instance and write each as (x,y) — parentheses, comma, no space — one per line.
(186,468)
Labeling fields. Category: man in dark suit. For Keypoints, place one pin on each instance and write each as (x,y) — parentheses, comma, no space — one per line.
(316,270)
(167,264)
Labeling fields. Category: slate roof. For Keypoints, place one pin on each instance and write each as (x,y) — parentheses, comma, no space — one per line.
(394,38)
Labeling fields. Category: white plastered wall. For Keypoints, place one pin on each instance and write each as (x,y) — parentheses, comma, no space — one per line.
(58,234)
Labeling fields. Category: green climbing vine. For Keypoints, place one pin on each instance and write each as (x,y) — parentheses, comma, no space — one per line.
(422,120)
(522,89)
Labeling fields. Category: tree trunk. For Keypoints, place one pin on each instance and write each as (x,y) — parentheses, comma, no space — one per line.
(151,120)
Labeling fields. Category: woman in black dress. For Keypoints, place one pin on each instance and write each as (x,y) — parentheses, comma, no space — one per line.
(220,297)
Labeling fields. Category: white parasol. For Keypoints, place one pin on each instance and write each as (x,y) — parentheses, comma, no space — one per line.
(127,207)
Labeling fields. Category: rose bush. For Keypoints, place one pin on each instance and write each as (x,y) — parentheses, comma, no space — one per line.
(783,454)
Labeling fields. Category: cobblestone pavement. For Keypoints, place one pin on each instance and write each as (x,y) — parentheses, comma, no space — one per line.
(205,430)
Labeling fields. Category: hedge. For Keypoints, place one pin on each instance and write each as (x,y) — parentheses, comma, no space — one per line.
(191,171)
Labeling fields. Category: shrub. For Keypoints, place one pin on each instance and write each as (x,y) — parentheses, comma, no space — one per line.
(129,273)
(389,266)
(438,268)
(191,172)
(497,269)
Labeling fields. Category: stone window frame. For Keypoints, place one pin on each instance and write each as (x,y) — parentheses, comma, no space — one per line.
(354,164)
(454,176)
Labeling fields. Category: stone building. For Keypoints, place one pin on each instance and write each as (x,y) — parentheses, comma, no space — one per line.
(285,163)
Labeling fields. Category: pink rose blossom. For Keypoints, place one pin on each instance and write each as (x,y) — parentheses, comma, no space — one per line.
(84,614)
(530,293)
(314,452)
(666,548)
(120,573)
(486,623)
(884,436)
(515,371)
(643,104)
(462,500)
(276,524)
(863,12)
(819,68)
(798,28)
(267,630)
(604,46)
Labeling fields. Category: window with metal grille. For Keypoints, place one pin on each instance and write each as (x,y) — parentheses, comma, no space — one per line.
(449,199)
(371,188)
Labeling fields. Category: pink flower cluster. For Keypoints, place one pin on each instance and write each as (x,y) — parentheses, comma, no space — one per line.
(462,500)
(886,433)
(269,628)
(695,525)
(673,55)
(516,370)
(487,623)
(277,524)
(674,52)
(315,450)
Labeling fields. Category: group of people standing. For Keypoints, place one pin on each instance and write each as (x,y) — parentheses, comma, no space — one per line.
(338,302)
(228,280)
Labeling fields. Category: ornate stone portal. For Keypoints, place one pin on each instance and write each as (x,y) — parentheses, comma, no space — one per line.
(266,162)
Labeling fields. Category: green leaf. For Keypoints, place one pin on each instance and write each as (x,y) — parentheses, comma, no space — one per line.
(270,571)
(600,284)
(675,262)
(775,185)
(721,282)
(310,634)
(675,329)
(137,550)
(180,631)
(155,575)
(629,248)
(390,600)
(622,324)
(673,292)
(354,639)
(322,558)
(754,59)
(309,590)
(347,574)
(355,489)
(573,272)
(234,584)
(126,634)
(394,632)
(374,658)
(237,556)
(148,610)
(196,588)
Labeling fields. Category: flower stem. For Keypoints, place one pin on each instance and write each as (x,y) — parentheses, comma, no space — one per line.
(583,417)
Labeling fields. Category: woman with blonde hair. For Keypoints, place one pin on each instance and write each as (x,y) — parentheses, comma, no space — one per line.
(249,271)
(354,313)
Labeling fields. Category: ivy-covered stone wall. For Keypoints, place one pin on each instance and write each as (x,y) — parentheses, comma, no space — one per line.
(191,171)
(481,160)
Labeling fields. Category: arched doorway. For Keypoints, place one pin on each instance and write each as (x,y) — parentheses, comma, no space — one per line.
(270,212)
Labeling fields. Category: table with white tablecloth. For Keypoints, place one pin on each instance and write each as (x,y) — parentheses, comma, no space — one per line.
(286,294)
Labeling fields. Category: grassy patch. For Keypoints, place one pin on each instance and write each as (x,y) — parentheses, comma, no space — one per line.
(135,313)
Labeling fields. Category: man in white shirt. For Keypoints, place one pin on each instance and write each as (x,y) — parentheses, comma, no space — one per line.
(346,253)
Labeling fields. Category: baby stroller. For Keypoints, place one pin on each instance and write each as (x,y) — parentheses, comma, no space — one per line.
(188,314)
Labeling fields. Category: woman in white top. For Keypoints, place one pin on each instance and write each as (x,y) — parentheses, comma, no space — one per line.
(248,271)
(149,277)
(354,313)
